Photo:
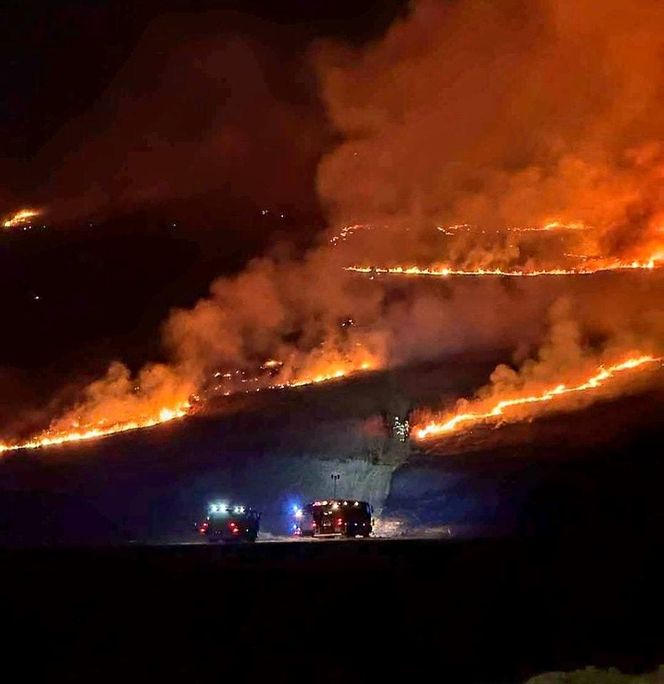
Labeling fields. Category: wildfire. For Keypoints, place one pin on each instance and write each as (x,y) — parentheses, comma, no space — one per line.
(346,232)
(327,376)
(20,218)
(63,435)
(55,437)
(326,371)
(551,226)
(456,421)
(588,268)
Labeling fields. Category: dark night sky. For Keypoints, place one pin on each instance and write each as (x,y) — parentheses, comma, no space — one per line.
(84,86)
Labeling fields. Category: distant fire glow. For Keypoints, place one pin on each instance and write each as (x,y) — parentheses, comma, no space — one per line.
(548,227)
(347,231)
(499,259)
(551,226)
(498,409)
(588,268)
(20,218)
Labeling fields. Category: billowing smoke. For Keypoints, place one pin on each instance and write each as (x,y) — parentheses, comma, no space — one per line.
(504,114)
(567,372)
(495,114)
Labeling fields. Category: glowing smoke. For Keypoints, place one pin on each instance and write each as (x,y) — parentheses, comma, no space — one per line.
(513,113)
(516,114)
(565,375)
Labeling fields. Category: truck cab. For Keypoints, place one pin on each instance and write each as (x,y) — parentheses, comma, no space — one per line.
(230,523)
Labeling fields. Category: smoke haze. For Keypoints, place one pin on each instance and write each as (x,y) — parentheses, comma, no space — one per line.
(499,114)
(205,110)
(504,114)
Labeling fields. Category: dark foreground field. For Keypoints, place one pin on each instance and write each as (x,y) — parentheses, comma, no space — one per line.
(472,611)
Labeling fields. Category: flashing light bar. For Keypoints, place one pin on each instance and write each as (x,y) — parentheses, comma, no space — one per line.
(221,507)
(335,504)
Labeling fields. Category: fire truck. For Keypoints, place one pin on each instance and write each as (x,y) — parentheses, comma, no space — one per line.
(230,523)
(333,517)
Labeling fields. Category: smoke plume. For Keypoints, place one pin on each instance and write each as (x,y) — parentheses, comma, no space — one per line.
(516,113)
(503,114)
(566,373)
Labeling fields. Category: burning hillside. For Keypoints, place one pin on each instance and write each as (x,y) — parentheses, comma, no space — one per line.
(601,266)
(521,405)
(543,118)
(566,374)
(111,406)
(69,434)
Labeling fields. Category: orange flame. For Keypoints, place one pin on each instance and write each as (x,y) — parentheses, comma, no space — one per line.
(326,370)
(548,227)
(551,226)
(59,436)
(345,232)
(56,437)
(447,271)
(20,218)
(454,422)
(327,376)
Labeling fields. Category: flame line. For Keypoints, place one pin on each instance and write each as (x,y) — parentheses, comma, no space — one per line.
(165,415)
(451,425)
(46,439)
(446,271)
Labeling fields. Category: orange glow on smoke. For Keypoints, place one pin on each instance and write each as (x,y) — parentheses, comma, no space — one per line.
(181,409)
(20,218)
(315,372)
(577,261)
(551,226)
(548,227)
(490,410)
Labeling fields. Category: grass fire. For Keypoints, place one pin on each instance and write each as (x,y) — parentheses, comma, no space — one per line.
(486,206)
(316,307)
(525,406)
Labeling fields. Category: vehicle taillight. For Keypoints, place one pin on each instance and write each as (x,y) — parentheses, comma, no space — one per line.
(339,521)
